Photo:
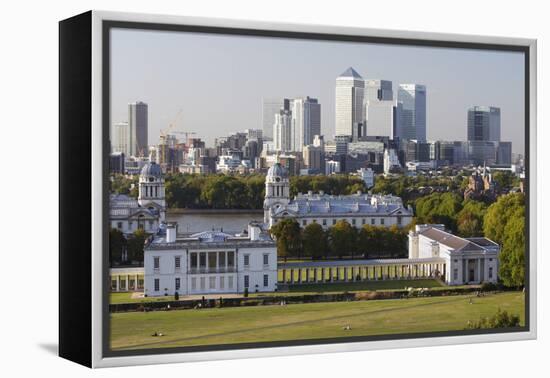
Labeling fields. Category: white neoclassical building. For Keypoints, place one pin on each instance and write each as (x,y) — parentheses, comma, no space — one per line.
(357,209)
(467,260)
(210,262)
(147,212)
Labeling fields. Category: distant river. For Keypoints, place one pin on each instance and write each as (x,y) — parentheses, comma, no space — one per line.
(197,220)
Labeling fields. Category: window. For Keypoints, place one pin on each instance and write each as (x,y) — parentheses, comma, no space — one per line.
(372,221)
(177,262)
(194,283)
(122,284)
(203,283)
(113,284)
(324,222)
(177,283)
(399,221)
(231,259)
(246,281)
(364,221)
(333,222)
(266,259)
(490,272)
(246,260)
(156,263)
(212,282)
(212,257)
(230,282)
(221,259)
(157,284)
(353,221)
(202,260)
(304,222)
(455,274)
(382,221)
(119,225)
(266,280)
(222,282)
(193,260)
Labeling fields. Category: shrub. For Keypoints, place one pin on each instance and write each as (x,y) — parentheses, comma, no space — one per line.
(176,296)
(489,286)
(502,319)
(245,292)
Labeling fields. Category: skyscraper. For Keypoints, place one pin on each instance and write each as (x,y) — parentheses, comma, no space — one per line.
(413,112)
(120,139)
(282,131)
(484,123)
(350,91)
(376,89)
(270,107)
(138,128)
(306,121)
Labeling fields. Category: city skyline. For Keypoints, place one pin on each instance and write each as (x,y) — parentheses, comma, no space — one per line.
(219,95)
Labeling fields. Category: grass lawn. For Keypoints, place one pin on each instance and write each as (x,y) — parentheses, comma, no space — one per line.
(132,330)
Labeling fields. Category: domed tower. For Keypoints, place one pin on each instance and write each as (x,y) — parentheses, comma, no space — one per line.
(277,190)
(151,189)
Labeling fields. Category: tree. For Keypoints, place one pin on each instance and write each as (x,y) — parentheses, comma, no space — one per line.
(136,243)
(439,208)
(504,223)
(512,255)
(117,245)
(314,241)
(395,240)
(499,213)
(366,241)
(288,238)
(470,219)
(342,239)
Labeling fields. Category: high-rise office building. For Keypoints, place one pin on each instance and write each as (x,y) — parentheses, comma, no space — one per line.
(120,139)
(306,121)
(350,88)
(413,112)
(271,107)
(138,128)
(484,123)
(381,118)
(282,131)
(376,89)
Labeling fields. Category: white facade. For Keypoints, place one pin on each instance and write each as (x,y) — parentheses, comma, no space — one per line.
(467,260)
(380,118)
(283,135)
(148,211)
(357,209)
(228,163)
(332,167)
(306,122)
(121,138)
(211,263)
(350,88)
(391,160)
(367,175)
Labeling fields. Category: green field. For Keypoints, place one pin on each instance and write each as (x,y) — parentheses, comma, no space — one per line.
(116,298)
(133,330)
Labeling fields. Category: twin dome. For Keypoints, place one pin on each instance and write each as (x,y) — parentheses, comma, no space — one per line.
(151,170)
(277,170)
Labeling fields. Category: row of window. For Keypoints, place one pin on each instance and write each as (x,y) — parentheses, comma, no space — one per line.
(211,260)
(247,281)
(455,273)
(211,283)
(246,260)
(354,221)
(120,225)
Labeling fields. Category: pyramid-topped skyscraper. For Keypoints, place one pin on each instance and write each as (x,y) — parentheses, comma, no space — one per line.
(350,88)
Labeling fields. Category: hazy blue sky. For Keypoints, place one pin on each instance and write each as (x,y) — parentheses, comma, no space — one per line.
(219,81)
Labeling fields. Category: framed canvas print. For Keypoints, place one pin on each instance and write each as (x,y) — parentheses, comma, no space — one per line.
(233,189)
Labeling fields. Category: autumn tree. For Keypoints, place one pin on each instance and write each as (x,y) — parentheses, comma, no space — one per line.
(288,238)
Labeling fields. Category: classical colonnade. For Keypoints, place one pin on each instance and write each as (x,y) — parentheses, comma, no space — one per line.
(298,273)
